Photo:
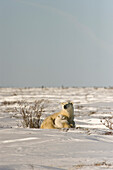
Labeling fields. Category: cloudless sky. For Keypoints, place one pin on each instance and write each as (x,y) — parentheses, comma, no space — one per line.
(56,42)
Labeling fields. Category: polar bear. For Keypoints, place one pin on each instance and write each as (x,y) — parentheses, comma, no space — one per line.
(67,110)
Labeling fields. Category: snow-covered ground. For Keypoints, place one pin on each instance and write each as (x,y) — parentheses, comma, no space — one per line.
(88,146)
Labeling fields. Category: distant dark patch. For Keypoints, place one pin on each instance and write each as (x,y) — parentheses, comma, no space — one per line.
(108,133)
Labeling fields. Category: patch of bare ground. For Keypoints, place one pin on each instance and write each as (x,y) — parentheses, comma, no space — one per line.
(103,164)
(11,102)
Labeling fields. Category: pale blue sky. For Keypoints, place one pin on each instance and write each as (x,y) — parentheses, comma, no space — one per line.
(56,42)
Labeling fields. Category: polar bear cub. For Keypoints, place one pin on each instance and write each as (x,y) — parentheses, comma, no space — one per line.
(67,111)
(61,122)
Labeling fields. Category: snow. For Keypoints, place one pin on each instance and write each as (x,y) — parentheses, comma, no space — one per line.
(86,147)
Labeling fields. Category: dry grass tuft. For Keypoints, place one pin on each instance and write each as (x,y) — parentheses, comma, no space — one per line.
(108,122)
(31,113)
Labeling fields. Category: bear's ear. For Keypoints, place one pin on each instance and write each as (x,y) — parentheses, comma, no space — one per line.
(63,103)
(71,102)
(59,115)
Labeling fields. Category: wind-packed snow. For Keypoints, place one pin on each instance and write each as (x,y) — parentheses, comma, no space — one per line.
(88,146)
